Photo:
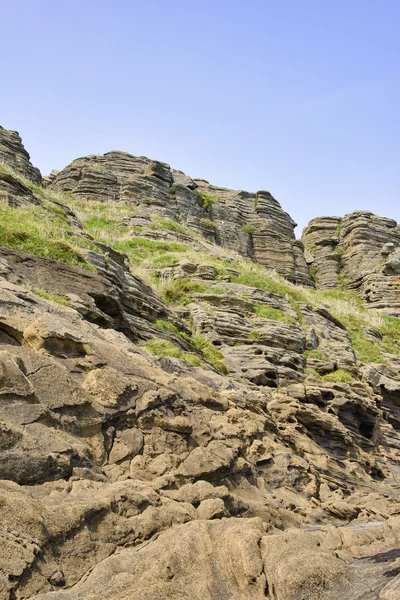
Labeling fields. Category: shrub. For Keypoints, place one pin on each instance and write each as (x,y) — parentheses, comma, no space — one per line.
(205,200)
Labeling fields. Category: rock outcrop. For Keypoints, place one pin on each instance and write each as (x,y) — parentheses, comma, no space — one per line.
(14,155)
(361,252)
(252,224)
(215,432)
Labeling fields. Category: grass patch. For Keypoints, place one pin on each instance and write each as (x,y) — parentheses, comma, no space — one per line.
(248,228)
(179,291)
(275,314)
(339,376)
(159,223)
(159,347)
(53,297)
(209,223)
(205,200)
(254,335)
(29,230)
(210,352)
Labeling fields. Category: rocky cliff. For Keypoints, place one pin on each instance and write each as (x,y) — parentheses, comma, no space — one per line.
(252,224)
(177,420)
(360,252)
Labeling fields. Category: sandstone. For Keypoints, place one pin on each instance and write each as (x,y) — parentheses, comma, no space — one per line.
(270,469)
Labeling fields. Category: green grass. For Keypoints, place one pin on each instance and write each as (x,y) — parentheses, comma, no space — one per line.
(209,223)
(179,291)
(254,335)
(30,230)
(158,224)
(167,326)
(315,354)
(205,200)
(248,228)
(202,344)
(159,347)
(260,279)
(53,297)
(339,376)
(140,247)
(275,314)
(210,352)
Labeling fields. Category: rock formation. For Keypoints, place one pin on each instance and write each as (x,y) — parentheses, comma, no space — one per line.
(252,224)
(14,155)
(214,432)
(361,251)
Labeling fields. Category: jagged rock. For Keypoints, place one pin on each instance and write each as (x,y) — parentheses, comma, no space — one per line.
(14,155)
(270,470)
(252,224)
(360,250)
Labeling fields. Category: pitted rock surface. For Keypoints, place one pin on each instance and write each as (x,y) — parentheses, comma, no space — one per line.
(273,474)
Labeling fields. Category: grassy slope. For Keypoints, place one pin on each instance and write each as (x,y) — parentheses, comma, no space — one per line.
(43,230)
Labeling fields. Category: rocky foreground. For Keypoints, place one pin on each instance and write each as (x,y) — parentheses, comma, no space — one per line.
(193,404)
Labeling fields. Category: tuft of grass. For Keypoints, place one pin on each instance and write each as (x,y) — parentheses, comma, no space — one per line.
(254,335)
(248,228)
(210,352)
(159,347)
(209,223)
(159,223)
(179,291)
(167,326)
(205,200)
(275,314)
(365,350)
(53,297)
(338,376)
(30,230)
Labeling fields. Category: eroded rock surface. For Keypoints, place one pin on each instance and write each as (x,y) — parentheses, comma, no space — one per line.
(252,224)
(259,459)
(361,252)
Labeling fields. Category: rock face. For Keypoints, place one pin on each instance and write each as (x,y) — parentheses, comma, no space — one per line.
(214,432)
(252,224)
(14,155)
(360,251)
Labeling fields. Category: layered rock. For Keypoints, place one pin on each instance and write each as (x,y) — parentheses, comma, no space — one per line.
(361,252)
(270,472)
(252,224)
(14,155)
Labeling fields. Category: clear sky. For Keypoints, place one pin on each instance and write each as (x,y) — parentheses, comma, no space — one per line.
(299,97)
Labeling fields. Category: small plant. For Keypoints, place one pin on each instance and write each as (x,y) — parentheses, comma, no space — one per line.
(159,223)
(178,291)
(248,228)
(205,200)
(254,335)
(338,376)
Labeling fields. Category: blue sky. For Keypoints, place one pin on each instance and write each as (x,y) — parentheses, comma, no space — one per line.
(298,97)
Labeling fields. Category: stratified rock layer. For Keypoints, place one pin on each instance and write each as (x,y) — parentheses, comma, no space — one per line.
(252,224)
(270,472)
(14,155)
(360,252)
